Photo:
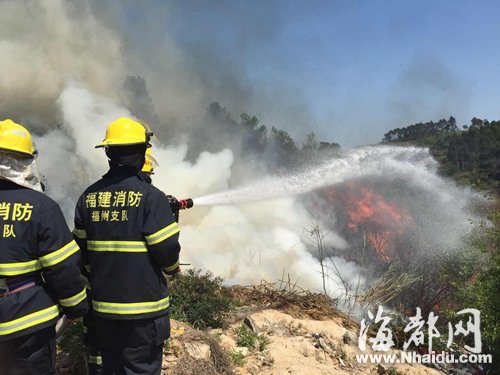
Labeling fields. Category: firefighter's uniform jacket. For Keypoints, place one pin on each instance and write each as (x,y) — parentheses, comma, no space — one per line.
(39,263)
(128,237)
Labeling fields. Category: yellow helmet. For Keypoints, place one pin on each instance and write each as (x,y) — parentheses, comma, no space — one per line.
(126,132)
(150,162)
(15,138)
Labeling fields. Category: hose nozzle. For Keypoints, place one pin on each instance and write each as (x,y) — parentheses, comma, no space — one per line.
(179,204)
(185,203)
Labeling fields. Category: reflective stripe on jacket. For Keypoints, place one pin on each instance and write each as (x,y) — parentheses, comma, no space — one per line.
(127,233)
(36,244)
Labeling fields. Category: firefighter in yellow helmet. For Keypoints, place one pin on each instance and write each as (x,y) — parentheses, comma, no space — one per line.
(150,162)
(128,236)
(39,261)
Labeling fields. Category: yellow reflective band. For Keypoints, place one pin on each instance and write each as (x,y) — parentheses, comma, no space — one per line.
(172,267)
(80,233)
(95,360)
(163,234)
(14,269)
(59,255)
(29,320)
(130,308)
(120,246)
(74,300)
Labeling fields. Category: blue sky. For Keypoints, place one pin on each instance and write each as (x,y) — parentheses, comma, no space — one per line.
(347,70)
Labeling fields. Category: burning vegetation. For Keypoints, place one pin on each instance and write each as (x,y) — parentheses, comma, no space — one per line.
(363,213)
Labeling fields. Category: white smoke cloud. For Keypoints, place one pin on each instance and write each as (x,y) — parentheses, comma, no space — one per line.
(211,171)
(66,63)
(68,159)
(244,243)
(248,243)
(260,231)
(44,45)
(63,67)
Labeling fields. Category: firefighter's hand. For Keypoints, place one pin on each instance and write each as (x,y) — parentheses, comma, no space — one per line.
(176,272)
(172,274)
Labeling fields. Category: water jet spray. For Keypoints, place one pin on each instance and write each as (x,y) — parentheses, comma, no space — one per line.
(357,163)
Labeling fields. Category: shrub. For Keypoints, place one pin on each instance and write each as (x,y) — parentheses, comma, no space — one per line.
(238,358)
(249,339)
(72,349)
(245,337)
(199,299)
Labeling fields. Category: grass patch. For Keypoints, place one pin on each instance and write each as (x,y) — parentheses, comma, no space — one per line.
(247,338)
(238,358)
(199,299)
(71,347)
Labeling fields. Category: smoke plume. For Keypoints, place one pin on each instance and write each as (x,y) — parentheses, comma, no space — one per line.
(69,68)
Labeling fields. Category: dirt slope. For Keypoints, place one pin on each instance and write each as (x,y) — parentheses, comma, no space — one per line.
(293,346)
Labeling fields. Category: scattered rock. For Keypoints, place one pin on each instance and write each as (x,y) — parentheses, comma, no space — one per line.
(198,350)
(216,332)
(278,330)
(250,323)
(242,349)
(323,345)
(341,361)
(265,359)
(227,342)
(349,338)
(170,358)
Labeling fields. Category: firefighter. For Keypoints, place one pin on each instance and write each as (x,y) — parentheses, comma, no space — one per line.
(128,237)
(94,358)
(39,261)
(150,163)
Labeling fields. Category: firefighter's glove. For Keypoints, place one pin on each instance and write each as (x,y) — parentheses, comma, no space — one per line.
(171,274)
(175,206)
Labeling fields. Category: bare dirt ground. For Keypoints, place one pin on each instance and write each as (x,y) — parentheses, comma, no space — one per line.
(293,346)
(298,333)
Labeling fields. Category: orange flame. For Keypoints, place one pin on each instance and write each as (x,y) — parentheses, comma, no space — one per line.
(367,211)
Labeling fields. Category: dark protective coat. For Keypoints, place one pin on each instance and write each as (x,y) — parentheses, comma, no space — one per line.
(39,263)
(128,236)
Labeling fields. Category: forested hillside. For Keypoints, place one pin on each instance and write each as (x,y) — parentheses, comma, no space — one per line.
(470,155)
(251,139)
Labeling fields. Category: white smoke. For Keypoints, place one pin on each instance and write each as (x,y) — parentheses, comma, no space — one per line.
(46,43)
(68,158)
(63,67)
(250,243)
(258,232)
(243,243)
